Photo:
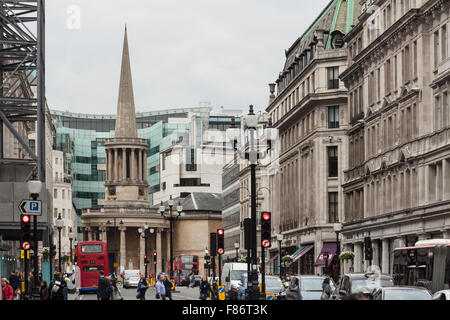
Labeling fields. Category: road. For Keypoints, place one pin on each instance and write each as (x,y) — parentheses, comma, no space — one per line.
(182,293)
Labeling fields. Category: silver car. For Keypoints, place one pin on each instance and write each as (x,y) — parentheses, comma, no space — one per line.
(131,278)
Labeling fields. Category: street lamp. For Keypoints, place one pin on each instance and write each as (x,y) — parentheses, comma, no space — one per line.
(337,228)
(59,226)
(171,218)
(280,239)
(236,246)
(143,233)
(34,187)
(253,155)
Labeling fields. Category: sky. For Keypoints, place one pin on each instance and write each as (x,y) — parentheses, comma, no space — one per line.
(183,52)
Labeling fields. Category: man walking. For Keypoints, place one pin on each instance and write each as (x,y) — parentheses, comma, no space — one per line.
(168,286)
(142,287)
(103,291)
(160,288)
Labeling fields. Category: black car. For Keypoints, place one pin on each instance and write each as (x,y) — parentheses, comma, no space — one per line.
(306,287)
(363,283)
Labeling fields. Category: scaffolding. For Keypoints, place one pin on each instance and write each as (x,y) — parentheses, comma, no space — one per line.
(22,68)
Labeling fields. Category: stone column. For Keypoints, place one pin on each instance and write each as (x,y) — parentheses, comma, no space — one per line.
(123,257)
(124,163)
(446,234)
(423,236)
(376,253)
(385,256)
(158,250)
(140,175)
(446,179)
(107,161)
(103,233)
(115,164)
(141,253)
(358,257)
(133,164)
(145,164)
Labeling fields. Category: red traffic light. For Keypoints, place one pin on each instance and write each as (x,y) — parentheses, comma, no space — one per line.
(220,251)
(266,216)
(25,218)
(154,254)
(145,257)
(26,246)
(220,232)
(266,243)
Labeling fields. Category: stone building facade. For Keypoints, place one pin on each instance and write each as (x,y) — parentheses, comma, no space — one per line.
(309,109)
(397,179)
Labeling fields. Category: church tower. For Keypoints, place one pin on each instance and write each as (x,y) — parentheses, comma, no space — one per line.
(126,155)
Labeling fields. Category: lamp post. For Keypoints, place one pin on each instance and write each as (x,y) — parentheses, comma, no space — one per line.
(253,155)
(108,223)
(171,218)
(143,234)
(70,241)
(236,246)
(337,228)
(34,187)
(59,226)
(280,239)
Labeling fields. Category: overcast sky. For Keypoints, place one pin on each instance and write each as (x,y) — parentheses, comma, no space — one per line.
(182,51)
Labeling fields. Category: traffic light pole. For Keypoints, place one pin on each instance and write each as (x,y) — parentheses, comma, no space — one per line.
(263,272)
(36,294)
(220,270)
(25,267)
(146,257)
(253,277)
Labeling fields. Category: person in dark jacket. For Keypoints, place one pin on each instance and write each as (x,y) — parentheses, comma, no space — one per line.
(205,288)
(57,288)
(327,291)
(14,281)
(142,287)
(103,292)
(168,286)
(44,290)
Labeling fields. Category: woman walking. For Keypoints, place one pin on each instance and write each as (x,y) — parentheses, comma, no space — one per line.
(205,288)
(44,290)
(115,293)
(7,290)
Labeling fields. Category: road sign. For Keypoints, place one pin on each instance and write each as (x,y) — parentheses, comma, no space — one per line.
(31,207)
(270,297)
(325,256)
(221,290)
(26,246)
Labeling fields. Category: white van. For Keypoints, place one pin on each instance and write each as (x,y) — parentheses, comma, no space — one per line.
(231,276)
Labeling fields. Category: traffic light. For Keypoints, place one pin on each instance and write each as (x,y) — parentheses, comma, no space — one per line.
(220,242)
(154,256)
(266,227)
(368,249)
(213,244)
(146,259)
(25,228)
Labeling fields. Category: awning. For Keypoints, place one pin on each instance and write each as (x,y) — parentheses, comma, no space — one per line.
(297,251)
(330,248)
(302,251)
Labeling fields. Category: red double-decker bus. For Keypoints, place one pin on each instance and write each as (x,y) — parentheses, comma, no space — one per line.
(92,257)
(183,265)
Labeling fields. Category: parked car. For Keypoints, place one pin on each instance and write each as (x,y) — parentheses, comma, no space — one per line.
(305,287)
(274,285)
(231,275)
(442,295)
(401,293)
(363,283)
(131,278)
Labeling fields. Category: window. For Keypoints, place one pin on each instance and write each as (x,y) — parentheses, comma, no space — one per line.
(32,144)
(55,193)
(190,160)
(387,76)
(444,43)
(436,49)
(63,193)
(333,80)
(333,207)
(63,213)
(333,117)
(55,212)
(332,161)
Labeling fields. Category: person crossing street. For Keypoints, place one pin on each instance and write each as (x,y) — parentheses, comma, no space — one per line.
(160,288)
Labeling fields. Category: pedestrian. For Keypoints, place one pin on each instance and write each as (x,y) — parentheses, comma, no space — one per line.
(168,286)
(327,291)
(160,288)
(103,292)
(14,281)
(192,280)
(241,289)
(115,292)
(142,287)
(7,290)
(57,288)
(44,290)
(205,288)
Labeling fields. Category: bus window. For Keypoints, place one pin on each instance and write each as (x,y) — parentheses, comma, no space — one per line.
(92,268)
(91,248)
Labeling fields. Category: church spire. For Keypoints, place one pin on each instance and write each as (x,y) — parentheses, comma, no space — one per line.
(126,115)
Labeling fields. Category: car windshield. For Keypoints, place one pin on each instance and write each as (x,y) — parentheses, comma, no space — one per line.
(367,285)
(398,294)
(314,284)
(237,274)
(273,282)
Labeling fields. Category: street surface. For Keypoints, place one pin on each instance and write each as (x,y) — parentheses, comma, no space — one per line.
(182,293)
